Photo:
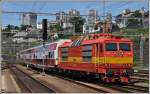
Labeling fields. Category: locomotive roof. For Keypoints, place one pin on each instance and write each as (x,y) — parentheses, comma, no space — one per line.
(100,38)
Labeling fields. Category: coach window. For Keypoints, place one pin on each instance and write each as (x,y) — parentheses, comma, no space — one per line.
(64,52)
(51,54)
(87,53)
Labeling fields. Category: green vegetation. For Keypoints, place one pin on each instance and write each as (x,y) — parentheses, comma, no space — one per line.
(10,27)
(135,22)
(78,23)
(56,28)
(24,27)
(139,31)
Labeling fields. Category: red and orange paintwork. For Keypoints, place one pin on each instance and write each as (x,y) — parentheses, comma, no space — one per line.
(101,61)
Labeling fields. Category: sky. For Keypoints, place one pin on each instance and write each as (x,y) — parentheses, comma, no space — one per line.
(52,6)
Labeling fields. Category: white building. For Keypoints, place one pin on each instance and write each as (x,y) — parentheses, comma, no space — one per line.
(29,19)
(74,12)
(39,26)
(90,29)
(92,16)
(92,19)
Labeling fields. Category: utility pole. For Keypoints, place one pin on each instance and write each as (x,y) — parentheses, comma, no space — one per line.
(14,47)
(141,49)
(104,22)
(104,8)
(27,48)
(74,27)
(142,12)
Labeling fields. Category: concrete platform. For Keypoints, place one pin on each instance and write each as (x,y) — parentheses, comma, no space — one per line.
(9,85)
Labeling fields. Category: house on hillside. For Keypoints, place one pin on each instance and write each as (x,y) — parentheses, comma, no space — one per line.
(27,36)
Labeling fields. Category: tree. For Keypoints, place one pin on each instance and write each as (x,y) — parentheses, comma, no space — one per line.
(24,27)
(16,27)
(133,23)
(78,23)
(56,27)
(137,14)
(9,27)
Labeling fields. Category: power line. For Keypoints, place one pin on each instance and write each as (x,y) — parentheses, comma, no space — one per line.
(67,15)
(40,9)
(126,3)
(66,0)
(33,6)
(104,9)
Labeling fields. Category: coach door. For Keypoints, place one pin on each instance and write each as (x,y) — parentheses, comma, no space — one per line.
(98,55)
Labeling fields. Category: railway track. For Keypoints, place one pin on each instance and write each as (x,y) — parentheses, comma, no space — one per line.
(111,87)
(130,88)
(29,83)
(90,86)
(137,88)
(141,76)
(105,88)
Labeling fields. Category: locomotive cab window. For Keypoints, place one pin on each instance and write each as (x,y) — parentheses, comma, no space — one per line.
(111,46)
(124,46)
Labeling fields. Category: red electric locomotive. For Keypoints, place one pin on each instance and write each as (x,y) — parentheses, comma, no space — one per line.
(105,55)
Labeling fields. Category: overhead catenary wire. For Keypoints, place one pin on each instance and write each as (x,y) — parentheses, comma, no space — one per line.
(33,6)
(41,8)
(67,33)
(54,14)
(68,0)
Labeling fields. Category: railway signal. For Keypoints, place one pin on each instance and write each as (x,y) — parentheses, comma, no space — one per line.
(44,26)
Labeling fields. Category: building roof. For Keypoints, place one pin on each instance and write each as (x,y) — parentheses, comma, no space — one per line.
(20,34)
(34,34)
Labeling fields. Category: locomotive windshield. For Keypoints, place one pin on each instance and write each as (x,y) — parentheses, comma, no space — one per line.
(124,46)
(111,46)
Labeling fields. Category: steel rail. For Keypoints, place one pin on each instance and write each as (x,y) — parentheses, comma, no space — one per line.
(31,89)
